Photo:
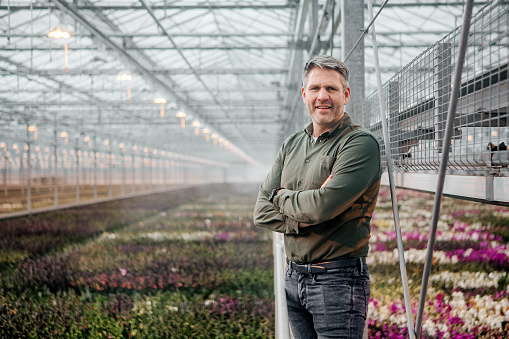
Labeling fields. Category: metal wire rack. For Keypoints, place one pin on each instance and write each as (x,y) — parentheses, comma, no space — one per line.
(417,100)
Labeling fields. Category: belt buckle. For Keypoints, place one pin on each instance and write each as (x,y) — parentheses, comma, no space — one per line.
(303,268)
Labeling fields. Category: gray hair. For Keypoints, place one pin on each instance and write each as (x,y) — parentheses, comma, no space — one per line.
(326,62)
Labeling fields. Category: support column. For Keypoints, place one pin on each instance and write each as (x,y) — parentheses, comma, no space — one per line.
(29,179)
(77,172)
(95,168)
(6,161)
(133,164)
(55,171)
(5,178)
(110,170)
(122,193)
(352,24)
(143,173)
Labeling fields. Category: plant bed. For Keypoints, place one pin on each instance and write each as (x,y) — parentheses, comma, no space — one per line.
(198,268)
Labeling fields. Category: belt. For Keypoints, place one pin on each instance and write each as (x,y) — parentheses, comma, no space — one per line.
(323,267)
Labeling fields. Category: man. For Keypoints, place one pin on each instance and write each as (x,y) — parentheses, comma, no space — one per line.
(321,193)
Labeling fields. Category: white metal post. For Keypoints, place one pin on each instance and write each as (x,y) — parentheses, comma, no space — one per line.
(282,325)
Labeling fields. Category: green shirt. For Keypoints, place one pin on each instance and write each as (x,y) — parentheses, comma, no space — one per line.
(340,212)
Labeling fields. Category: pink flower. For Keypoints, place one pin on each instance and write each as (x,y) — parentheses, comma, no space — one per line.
(123,272)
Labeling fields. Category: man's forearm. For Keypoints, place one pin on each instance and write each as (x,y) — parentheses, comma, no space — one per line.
(355,170)
(267,216)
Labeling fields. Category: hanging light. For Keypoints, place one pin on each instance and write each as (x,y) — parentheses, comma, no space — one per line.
(161,101)
(214,137)
(126,77)
(87,140)
(206,131)
(33,129)
(196,124)
(182,117)
(59,33)
(64,135)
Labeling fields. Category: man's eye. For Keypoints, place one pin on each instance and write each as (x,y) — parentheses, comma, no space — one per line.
(332,89)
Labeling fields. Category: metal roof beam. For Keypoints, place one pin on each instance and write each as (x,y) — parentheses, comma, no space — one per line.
(433,3)
(219,35)
(133,7)
(102,72)
(322,45)
(239,6)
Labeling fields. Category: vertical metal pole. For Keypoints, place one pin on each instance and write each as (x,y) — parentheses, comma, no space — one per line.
(77,173)
(29,179)
(110,169)
(401,250)
(133,163)
(5,169)
(55,169)
(282,328)
(5,177)
(165,167)
(21,176)
(151,164)
(95,167)
(143,173)
(123,173)
(444,161)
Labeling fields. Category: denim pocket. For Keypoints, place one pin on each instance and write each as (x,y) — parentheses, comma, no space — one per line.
(338,302)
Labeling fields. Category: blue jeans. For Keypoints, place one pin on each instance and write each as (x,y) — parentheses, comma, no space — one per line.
(328,305)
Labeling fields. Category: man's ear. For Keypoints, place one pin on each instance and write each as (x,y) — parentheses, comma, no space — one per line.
(347,95)
(303,90)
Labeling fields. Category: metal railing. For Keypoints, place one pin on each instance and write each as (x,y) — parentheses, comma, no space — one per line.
(417,100)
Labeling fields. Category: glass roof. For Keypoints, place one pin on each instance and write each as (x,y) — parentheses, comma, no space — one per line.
(225,64)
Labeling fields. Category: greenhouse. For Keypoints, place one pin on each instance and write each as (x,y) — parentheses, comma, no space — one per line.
(136,135)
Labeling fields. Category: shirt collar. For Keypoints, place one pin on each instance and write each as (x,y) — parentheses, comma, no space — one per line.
(343,122)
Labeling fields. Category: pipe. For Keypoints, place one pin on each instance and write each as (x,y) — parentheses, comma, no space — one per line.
(443,162)
(388,156)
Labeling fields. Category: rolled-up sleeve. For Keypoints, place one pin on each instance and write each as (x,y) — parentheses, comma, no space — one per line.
(356,168)
(265,214)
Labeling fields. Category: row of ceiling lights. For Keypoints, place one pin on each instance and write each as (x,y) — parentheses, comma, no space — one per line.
(59,33)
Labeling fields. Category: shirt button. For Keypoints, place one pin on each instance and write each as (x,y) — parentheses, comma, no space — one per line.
(307,160)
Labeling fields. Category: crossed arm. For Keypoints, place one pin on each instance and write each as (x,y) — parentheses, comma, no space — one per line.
(356,168)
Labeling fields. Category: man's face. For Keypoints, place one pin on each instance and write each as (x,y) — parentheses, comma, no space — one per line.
(325,97)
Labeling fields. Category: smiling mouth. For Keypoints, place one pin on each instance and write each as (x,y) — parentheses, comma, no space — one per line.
(323,107)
